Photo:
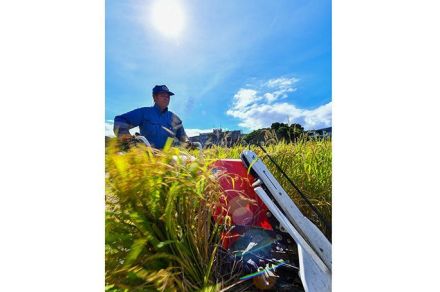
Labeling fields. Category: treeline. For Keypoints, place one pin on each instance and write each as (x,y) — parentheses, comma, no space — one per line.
(276,132)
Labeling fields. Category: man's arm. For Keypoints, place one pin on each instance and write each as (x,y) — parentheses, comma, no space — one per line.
(123,123)
(180,131)
(183,138)
(181,135)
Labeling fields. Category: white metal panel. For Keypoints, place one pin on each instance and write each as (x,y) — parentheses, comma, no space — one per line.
(309,232)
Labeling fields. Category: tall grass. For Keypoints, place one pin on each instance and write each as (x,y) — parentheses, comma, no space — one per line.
(159,230)
(160,235)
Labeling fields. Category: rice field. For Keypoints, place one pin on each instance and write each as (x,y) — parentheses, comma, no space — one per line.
(160,235)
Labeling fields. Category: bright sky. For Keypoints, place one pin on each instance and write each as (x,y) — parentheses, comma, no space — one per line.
(232,64)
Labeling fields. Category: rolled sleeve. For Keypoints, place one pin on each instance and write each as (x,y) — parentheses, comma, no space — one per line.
(178,128)
(181,135)
(123,123)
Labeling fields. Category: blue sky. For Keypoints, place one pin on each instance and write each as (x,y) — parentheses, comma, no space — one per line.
(235,64)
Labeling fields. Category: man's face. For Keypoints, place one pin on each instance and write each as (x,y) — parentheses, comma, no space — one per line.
(162,99)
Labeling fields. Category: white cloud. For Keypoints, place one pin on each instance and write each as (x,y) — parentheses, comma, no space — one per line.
(245,97)
(318,118)
(281,82)
(196,132)
(270,97)
(273,90)
(255,110)
(279,87)
(109,129)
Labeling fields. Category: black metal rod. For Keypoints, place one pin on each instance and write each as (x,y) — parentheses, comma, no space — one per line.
(320,216)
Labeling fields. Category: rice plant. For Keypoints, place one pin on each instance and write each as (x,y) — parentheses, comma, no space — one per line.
(160,235)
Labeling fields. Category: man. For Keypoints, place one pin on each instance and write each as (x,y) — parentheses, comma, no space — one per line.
(155,123)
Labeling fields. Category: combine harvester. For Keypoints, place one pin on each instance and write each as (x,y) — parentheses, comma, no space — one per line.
(268,239)
(265,226)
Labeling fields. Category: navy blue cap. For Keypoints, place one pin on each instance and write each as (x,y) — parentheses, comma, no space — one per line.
(161,88)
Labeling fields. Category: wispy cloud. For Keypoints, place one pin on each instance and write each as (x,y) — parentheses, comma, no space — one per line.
(259,108)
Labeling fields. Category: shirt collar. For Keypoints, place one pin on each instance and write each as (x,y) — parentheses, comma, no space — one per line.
(158,109)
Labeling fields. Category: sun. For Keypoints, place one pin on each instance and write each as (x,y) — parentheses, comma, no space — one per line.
(168,17)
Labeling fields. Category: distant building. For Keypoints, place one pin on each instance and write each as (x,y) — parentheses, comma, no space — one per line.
(218,137)
(320,133)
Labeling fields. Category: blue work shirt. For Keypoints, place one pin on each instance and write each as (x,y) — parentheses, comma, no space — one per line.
(151,122)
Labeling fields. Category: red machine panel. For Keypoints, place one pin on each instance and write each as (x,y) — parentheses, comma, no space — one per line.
(240,205)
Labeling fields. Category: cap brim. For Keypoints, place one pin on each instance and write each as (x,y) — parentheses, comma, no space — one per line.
(169,92)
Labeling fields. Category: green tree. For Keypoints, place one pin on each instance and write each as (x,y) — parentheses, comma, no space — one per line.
(297,128)
(255,136)
(295,132)
(275,126)
(283,133)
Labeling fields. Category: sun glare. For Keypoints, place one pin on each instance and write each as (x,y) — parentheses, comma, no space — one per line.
(168,17)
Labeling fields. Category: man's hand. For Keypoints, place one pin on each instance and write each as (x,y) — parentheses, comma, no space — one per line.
(124,137)
(125,141)
(194,145)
